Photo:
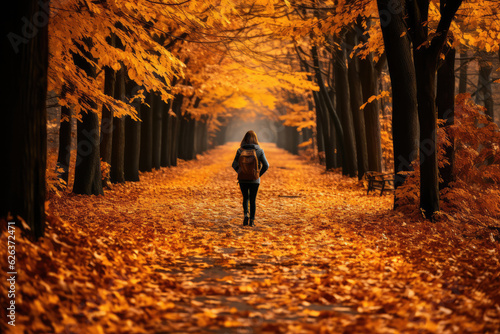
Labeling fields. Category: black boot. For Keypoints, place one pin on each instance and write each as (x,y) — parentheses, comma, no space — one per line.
(245,221)
(251,222)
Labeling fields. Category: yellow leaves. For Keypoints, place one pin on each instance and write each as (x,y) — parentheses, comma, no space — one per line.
(105,170)
(409,293)
(306,143)
(245,85)
(343,268)
(372,98)
(132,73)
(246,289)
(236,102)
(480,31)
(147,62)
(311,313)
(38,309)
(233,323)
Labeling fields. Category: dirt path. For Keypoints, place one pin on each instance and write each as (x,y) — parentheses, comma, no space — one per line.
(323,257)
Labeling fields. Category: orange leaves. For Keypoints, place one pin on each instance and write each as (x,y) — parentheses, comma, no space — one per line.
(105,170)
(375,97)
(148,63)
(298,115)
(479,31)
(169,254)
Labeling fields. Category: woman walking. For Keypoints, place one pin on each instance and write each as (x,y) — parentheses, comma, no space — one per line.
(250,163)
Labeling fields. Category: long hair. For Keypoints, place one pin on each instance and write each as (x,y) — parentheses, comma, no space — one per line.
(250,138)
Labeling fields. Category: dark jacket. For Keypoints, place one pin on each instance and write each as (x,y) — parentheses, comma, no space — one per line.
(263,164)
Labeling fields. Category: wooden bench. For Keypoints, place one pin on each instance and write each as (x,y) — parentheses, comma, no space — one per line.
(382,181)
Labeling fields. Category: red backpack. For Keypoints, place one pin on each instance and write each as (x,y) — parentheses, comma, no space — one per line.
(248,165)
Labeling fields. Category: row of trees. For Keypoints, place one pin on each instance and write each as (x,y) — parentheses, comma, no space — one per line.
(150,82)
(347,51)
(124,79)
(151,113)
(118,147)
(147,82)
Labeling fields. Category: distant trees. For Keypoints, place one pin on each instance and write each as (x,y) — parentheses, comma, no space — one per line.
(144,88)
(347,113)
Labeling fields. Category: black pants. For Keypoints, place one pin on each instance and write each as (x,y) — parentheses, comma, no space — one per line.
(249,191)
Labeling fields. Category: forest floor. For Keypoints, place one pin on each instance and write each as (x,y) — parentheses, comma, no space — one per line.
(169,254)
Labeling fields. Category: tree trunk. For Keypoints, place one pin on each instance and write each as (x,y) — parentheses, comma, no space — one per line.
(425,59)
(146,153)
(356,101)
(132,139)
(107,120)
(349,160)
(404,90)
(166,135)
(462,83)
(64,156)
(323,122)
(220,138)
(196,135)
(190,143)
(425,69)
(369,85)
(200,136)
(202,139)
(23,145)
(132,148)
(445,100)
(279,134)
(204,143)
(320,141)
(176,124)
(117,173)
(292,140)
(158,105)
(88,179)
(194,130)
(324,98)
(184,137)
(319,138)
(484,87)
(319,131)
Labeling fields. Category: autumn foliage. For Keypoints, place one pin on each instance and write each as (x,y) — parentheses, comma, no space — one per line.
(474,195)
(168,253)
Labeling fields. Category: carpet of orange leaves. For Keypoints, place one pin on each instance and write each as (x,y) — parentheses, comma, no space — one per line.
(168,254)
